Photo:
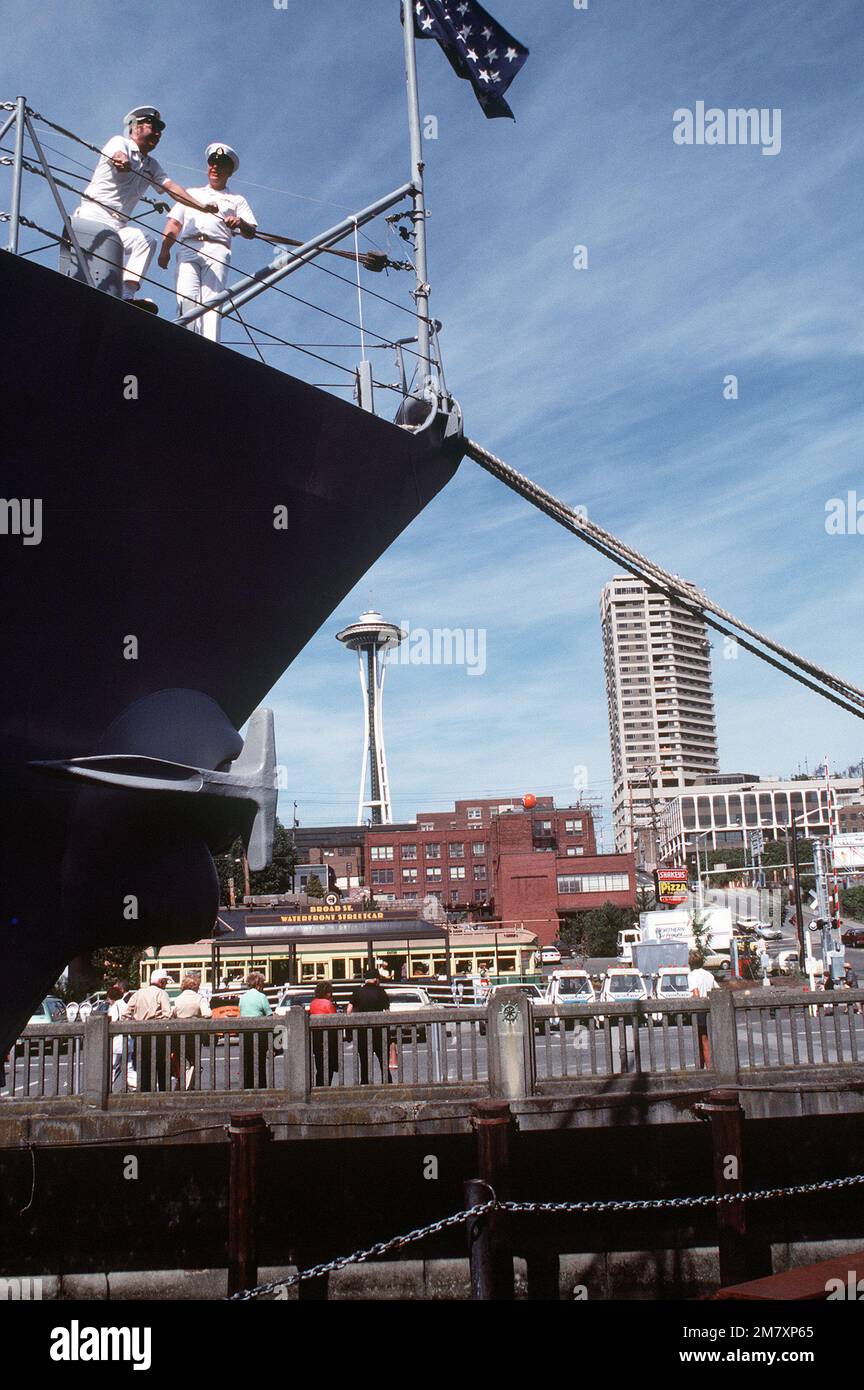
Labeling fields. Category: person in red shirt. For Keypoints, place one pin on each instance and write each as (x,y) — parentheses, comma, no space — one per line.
(324,1041)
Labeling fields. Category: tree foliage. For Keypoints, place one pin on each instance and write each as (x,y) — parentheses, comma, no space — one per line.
(278,877)
(700,926)
(595,932)
(852,902)
(111,963)
(776,852)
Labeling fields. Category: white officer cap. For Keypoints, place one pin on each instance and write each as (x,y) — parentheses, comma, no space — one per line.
(218,148)
(143,113)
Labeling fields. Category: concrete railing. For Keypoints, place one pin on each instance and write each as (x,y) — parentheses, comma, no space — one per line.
(512,1048)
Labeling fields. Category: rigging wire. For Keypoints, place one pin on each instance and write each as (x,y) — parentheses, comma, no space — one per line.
(139,218)
(162,207)
(159,207)
(257,328)
(249,183)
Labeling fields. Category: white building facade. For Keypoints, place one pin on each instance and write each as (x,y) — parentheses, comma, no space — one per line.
(716,815)
(662,727)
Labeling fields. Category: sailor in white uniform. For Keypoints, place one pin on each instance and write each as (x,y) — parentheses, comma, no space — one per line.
(204,241)
(125,173)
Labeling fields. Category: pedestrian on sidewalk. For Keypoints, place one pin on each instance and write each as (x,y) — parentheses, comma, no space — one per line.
(117,1010)
(700,982)
(190,1003)
(325,1046)
(147,1004)
(254,1004)
(367,999)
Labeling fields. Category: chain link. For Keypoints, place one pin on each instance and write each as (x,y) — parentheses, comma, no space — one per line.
(533,1208)
(359,1256)
(653,1204)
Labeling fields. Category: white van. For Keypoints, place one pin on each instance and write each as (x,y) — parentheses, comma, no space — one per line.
(671,982)
(571,987)
(622,985)
(627,939)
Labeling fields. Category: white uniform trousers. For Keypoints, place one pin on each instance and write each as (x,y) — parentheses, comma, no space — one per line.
(202,270)
(138,243)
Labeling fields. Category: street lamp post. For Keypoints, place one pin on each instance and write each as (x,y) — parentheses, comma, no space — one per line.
(699,868)
(799,910)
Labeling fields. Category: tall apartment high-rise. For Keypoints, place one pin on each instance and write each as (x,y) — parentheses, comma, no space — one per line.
(662,729)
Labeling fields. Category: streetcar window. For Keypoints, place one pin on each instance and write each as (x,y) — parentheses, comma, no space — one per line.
(338,969)
(507,963)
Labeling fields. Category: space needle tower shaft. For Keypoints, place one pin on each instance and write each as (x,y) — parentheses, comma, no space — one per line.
(371,638)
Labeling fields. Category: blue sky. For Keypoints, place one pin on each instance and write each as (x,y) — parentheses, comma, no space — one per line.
(604,384)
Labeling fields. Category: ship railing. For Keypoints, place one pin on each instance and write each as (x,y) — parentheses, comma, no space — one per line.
(419,390)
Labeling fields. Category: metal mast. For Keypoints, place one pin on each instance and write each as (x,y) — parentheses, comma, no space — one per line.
(418,197)
(371,638)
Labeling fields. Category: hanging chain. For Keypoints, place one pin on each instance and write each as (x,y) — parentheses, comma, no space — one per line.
(533,1208)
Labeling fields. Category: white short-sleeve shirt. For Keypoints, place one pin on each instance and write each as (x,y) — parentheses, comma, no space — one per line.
(700,982)
(122,189)
(206,224)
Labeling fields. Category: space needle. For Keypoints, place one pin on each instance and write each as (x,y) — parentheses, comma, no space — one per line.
(371,638)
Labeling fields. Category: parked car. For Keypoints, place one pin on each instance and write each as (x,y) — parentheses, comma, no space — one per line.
(293,997)
(225,1003)
(768,933)
(853,936)
(535,994)
(789,963)
(549,955)
(51,1010)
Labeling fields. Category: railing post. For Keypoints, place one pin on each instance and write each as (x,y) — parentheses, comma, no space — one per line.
(510,1044)
(96,1082)
(723,1034)
(740,1257)
(298,1066)
(17,158)
(244,1133)
(489,1240)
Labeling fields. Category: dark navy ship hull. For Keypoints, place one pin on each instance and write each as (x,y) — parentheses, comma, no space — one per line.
(201,516)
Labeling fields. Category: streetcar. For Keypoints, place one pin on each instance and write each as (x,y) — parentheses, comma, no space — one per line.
(507,955)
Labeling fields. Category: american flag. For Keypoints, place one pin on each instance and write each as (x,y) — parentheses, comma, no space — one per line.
(477,48)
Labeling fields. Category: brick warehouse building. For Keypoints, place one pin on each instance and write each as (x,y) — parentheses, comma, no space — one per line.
(492,858)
